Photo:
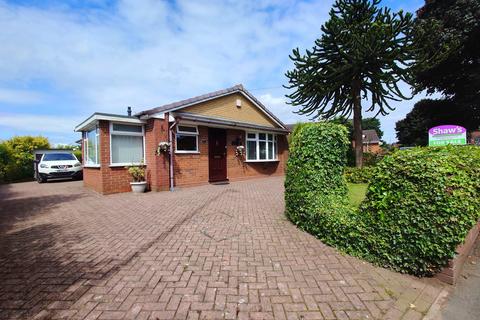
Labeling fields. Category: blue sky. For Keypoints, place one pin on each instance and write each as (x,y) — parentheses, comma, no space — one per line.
(60,61)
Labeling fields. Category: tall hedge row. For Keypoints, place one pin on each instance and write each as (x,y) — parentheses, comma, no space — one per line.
(418,209)
(315,190)
(421,205)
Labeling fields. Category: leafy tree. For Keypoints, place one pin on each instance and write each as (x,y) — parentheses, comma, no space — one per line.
(413,130)
(367,124)
(364,52)
(447,35)
(21,162)
(77,149)
(5,160)
(372,124)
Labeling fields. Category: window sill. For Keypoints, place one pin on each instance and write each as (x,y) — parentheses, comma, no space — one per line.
(187,152)
(266,160)
(92,166)
(116,165)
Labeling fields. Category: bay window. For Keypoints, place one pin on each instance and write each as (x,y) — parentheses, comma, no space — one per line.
(186,139)
(261,146)
(92,148)
(126,144)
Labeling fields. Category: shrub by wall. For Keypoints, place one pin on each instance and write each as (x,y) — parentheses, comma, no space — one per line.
(418,209)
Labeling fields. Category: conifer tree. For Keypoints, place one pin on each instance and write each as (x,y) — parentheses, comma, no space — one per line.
(363,54)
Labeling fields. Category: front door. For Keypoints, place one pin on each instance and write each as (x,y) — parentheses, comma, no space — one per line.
(217,154)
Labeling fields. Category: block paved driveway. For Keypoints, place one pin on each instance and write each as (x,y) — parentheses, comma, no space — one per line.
(210,252)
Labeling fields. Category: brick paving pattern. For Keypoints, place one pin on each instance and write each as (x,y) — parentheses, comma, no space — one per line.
(210,252)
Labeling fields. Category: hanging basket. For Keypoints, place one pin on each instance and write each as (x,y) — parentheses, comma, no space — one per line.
(163,147)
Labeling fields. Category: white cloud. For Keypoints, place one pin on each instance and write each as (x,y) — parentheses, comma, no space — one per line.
(146,53)
(13,96)
(38,124)
(279,106)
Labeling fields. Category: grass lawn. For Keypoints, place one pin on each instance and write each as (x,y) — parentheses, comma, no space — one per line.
(356,193)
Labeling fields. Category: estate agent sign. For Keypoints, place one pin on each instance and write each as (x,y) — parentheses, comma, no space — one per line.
(447,134)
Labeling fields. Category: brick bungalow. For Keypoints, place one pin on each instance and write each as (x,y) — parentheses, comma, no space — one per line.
(227,135)
(371,141)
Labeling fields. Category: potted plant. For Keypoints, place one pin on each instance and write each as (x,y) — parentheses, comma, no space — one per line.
(138,176)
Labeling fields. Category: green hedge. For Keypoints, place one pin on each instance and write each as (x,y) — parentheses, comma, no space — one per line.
(418,209)
(315,190)
(421,205)
(359,175)
(315,164)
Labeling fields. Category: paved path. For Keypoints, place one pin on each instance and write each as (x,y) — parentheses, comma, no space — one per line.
(210,252)
(464,301)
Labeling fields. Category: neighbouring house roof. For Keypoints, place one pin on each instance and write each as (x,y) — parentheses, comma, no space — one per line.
(290,126)
(90,121)
(210,96)
(184,116)
(370,136)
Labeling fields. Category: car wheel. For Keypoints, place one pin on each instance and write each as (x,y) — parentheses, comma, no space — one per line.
(40,179)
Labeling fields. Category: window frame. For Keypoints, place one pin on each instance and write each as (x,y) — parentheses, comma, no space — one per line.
(113,132)
(257,139)
(186,133)
(86,163)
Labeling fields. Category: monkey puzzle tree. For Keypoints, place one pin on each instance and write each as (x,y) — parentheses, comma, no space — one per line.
(363,53)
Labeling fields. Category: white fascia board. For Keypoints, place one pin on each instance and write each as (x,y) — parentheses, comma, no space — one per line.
(97,117)
(160,115)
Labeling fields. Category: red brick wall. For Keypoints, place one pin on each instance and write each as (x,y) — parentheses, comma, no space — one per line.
(474,137)
(92,178)
(192,169)
(372,148)
(189,169)
(106,179)
(237,169)
(156,131)
(115,179)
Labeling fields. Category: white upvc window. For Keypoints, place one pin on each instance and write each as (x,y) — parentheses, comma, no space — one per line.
(127,144)
(261,146)
(91,148)
(186,139)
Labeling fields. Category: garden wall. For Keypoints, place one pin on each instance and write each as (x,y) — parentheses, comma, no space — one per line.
(450,273)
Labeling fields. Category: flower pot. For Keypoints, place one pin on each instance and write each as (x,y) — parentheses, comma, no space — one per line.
(138,187)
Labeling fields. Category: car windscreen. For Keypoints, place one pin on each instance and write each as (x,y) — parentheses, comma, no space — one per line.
(58,157)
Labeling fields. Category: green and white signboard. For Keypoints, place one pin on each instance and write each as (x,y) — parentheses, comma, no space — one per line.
(447,134)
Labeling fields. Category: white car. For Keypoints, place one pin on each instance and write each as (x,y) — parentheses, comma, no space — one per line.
(58,165)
